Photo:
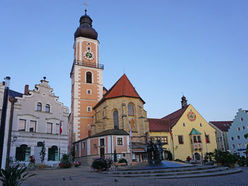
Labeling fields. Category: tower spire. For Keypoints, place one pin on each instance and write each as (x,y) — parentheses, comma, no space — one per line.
(86,5)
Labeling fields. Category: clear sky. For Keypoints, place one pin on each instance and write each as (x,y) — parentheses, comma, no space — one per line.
(167,48)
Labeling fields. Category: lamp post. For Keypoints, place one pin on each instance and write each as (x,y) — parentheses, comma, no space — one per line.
(3,118)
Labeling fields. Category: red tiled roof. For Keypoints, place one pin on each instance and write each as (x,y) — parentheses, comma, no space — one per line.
(158,125)
(222,125)
(175,116)
(122,88)
(164,124)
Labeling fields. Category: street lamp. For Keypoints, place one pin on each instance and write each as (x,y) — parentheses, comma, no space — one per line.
(3,117)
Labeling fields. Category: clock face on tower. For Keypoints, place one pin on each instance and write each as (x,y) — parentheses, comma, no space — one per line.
(88,55)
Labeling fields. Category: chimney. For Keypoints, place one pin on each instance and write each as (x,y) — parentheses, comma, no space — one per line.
(184,102)
(26,90)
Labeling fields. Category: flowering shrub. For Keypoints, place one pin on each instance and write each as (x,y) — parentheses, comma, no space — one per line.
(31,159)
(188,158)
(65,162)
(77,163)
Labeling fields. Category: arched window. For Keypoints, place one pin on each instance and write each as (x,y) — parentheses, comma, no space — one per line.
(47,108)
(22,153)
(39,106)
(116,119)
(130,109)
(53,154)
(88,77)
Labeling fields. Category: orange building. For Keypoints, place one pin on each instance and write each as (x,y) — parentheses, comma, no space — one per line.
(86,79)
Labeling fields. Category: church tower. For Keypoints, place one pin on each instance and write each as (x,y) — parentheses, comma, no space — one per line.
(86,78)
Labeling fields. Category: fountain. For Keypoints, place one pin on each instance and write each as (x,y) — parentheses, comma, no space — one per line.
(154,151)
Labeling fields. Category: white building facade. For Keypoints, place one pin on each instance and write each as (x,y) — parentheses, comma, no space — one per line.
(39,118)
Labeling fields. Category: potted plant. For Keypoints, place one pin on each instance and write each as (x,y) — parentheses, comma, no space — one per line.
(14,176)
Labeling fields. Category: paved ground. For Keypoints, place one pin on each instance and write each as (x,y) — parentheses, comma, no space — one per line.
(85,176)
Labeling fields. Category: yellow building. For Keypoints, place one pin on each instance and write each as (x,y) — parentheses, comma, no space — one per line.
(184,133)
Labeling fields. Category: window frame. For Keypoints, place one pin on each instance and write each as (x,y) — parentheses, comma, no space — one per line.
(48,108)
(180,140)
(25,125)
(119,141)
(39,107)
(49,123)
(35,126)
(90,81)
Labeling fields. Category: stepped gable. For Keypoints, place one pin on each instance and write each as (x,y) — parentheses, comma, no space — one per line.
(122,88)
(222,125)
(158,125)
(175,116)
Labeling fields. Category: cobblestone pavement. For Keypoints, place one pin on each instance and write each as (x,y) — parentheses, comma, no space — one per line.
(85,176)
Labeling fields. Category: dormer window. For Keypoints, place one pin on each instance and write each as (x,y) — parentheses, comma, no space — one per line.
(39,106)
(47,108)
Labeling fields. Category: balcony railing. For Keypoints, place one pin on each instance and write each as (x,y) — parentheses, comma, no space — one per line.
(89,64)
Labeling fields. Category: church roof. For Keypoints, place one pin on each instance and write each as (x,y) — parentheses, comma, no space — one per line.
(222,125)
(122,88)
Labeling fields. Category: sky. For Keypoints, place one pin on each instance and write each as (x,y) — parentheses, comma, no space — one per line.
(167,48)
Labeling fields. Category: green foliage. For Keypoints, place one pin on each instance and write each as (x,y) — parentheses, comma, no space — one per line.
(208,156)
(65,161)
(225,158)
(115,156)
(14,176)
(122,160)
(241,161)
(42,152)
(101,164)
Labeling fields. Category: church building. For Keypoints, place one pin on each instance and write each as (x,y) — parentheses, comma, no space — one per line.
(104,122)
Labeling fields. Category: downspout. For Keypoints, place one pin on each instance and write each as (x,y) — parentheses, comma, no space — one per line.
(12,100)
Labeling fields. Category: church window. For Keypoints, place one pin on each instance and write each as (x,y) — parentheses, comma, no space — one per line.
(49,128)
(53,154)
(47,109)
(238,128)
(116,119)
(131,109)
(243,127)
(22,153)
(22,125)
(89,91)
(180,139)
(88,48)
(39,106)
(89,108)
(32,127)
(200,124)
(233,146)
(184,124)
(119,141)
(88,77)
(232,138)
(238,137)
